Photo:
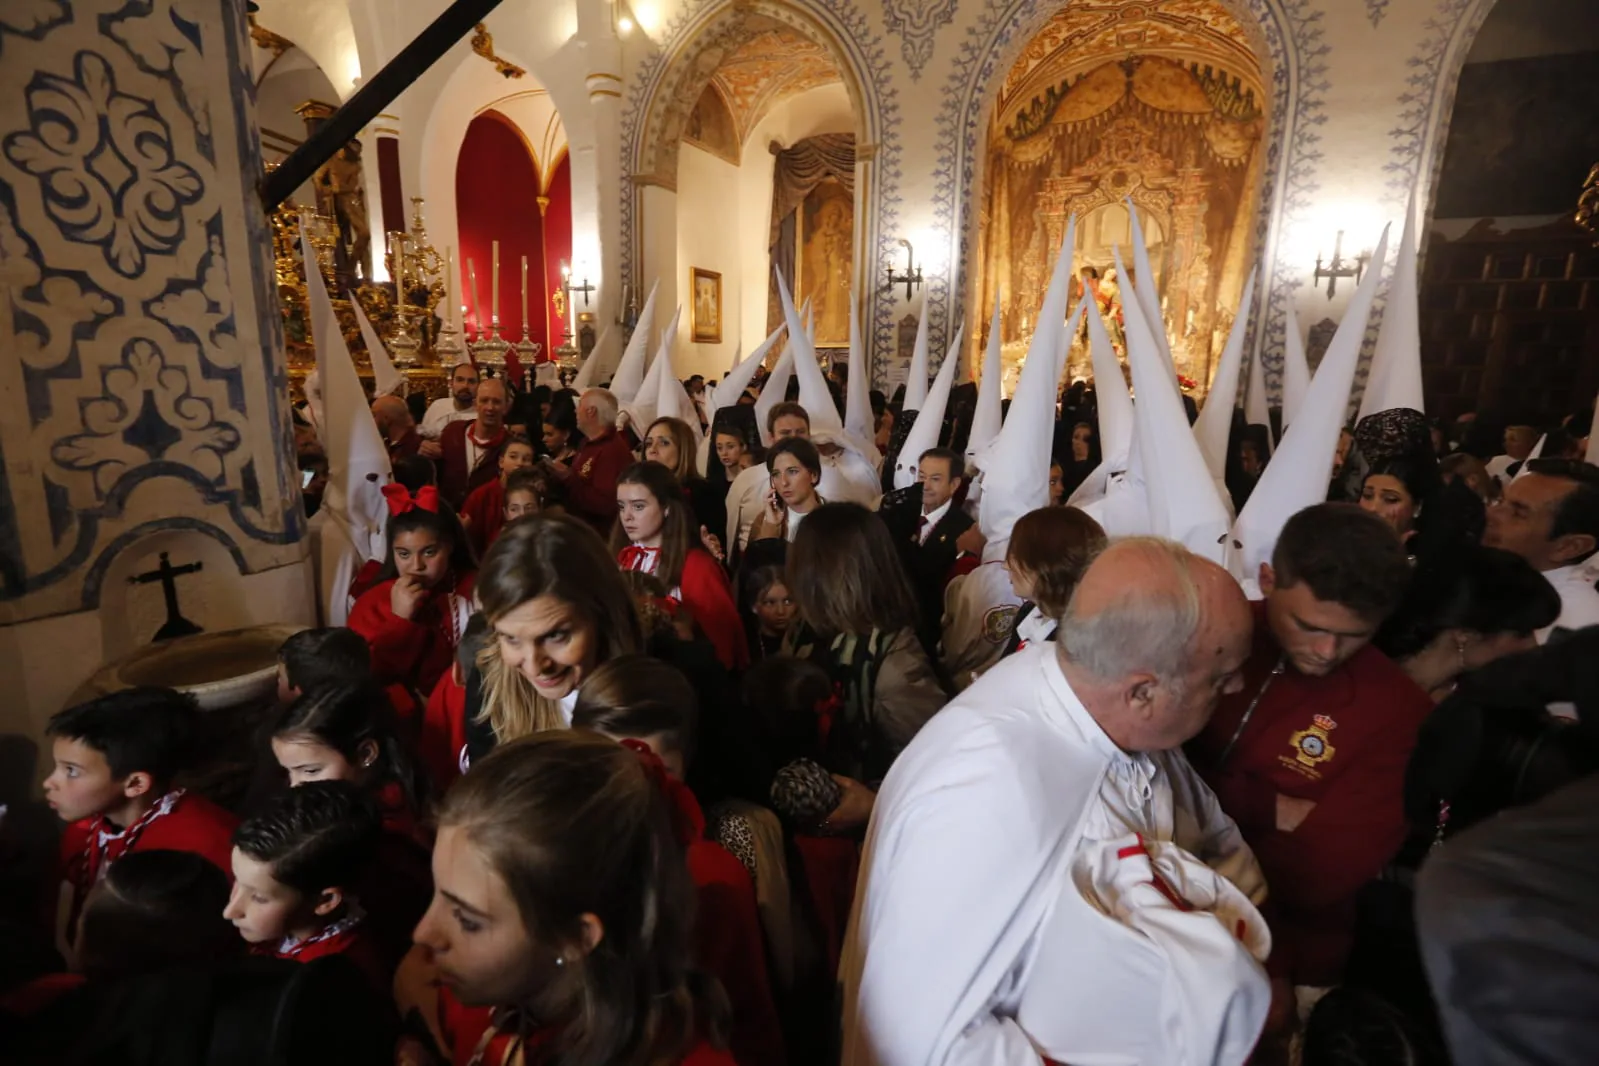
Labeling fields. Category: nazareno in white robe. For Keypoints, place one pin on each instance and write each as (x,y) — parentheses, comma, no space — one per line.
(1012,825)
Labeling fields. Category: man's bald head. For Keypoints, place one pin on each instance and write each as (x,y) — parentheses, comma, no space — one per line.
(1152,637)
(392,416)
(596,412)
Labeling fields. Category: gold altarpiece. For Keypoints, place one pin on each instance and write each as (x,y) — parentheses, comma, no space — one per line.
(1177,138)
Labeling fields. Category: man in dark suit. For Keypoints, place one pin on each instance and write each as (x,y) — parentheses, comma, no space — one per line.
(926,526)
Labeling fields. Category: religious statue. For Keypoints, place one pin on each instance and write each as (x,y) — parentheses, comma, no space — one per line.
(342,181)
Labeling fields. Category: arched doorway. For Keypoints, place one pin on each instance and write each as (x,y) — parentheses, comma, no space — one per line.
(1163,106)
(751,148)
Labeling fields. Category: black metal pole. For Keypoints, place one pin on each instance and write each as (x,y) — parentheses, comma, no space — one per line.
(456,22)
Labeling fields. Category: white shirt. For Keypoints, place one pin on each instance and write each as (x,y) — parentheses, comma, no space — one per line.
(791,526)
(932,518)
(994,895)
(1499,467)
(746,498)
(1579,600)
(442,412)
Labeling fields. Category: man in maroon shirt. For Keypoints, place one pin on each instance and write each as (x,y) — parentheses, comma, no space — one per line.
(472,449)
(1309,757)
(590,480)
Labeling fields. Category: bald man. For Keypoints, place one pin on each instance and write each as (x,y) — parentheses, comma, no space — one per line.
(398,427)
(472,449)
(1045,877)
(589,481)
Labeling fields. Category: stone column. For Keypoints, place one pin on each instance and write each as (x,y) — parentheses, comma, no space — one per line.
(597,224)
(143,403)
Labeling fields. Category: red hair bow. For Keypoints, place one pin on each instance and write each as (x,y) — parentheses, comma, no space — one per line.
(826,711)
(688,821)
(401,499)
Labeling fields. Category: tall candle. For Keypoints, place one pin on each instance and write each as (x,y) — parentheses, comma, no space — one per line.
(494,288)
(477,304)
(524,294)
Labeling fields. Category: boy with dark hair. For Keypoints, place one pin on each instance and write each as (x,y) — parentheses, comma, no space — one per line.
(483,513)
(116,758)
(294,868)
(1308,756)
(312,659)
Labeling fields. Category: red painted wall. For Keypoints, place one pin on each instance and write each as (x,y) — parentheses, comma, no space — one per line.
(558,248)
(496,198)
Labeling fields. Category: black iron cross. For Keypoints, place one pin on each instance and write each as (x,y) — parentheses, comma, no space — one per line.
(176,625)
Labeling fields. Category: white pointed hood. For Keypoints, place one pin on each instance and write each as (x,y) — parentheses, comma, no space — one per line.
(385,379)
(1257,409)
(1216,417)
(358,459)
(1144,285)
(1115,410)
(672,399)
(814,395)
(1296,369)
(775,389)
(858,420)
(1536,453)
(629,376)
(1298,473)
(733,384)
(916,375)
(925,431)
(1016,478)
(1395,376)
(641,409)
(1184,504)
(989,414)
(584,378)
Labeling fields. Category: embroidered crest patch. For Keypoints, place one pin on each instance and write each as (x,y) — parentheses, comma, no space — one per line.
(998,623)
(1312,746)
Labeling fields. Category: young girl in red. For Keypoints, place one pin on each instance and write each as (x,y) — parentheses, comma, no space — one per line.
(654,535)
(414,616)
(560,925)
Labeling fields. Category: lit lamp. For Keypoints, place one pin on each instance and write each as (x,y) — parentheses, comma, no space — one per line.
(912,278)
(1338,267)
(569,351)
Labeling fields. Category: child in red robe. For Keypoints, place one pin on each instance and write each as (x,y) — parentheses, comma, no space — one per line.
(295,866)
(344,733)
(115,761)
(650,706)
(483,512)
(414,616)
(655,535)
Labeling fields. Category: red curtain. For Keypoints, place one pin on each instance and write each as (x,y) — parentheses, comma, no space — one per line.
(558,249)
(496,199)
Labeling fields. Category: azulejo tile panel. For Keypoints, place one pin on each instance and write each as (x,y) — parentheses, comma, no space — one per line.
(143,385)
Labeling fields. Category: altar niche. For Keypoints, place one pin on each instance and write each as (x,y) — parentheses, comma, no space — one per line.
(1114,109)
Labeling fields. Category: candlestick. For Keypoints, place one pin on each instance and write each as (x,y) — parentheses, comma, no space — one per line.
(494,288)
(477,304)
(524,294)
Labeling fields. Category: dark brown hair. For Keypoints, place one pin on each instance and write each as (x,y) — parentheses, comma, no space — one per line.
(573,824)
(548,555)
(846,576)
(1346,555)
(1053,546)
(677,531)
(786,409)
(640,696)
(801,449)
(687,448)
(154,910)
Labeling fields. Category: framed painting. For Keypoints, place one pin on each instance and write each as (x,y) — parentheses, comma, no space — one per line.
(705,309)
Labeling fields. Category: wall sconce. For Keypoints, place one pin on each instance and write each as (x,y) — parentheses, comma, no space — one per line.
(566,282)
(1338,267)
(912,278)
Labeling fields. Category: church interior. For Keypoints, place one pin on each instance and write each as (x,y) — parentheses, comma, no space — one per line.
(512,181)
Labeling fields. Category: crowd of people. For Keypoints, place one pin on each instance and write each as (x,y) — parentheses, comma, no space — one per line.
(670,743)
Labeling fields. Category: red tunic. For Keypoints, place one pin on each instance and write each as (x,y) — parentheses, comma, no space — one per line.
(705,591)
(484,515)
(1341,741)
(591,490)
(406,446)
(413,652)
(190,822)
(351,938)
(830,866)
(464,1027)
(443,743)
(456,480)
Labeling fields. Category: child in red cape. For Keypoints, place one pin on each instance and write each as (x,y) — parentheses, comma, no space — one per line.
(483,512)
(413,617)
(295,868)
(344,733)
(655,535)
(115,761)
(560,897)
(650,706)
